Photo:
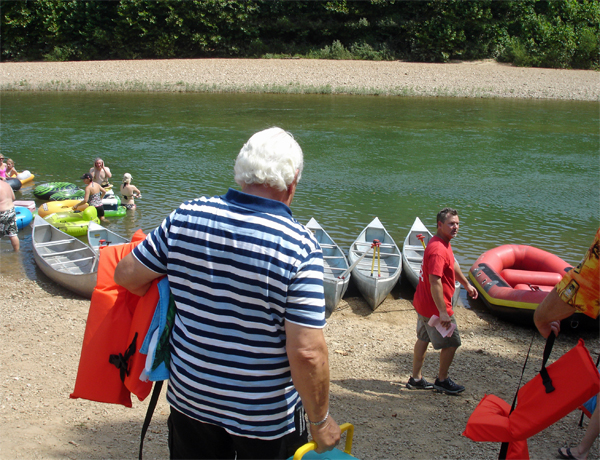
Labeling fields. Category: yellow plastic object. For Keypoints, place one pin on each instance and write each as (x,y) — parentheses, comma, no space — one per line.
(335,454)
(52,207)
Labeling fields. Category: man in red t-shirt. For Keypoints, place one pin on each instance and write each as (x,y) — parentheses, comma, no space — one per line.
(434,297)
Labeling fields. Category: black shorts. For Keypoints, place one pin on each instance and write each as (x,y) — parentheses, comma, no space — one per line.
(192,439)
(100,210)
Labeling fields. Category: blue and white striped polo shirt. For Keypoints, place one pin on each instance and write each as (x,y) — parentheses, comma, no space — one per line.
(238,266)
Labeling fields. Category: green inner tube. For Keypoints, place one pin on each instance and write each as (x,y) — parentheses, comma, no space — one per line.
(70,194)
(120,211)
(44,191)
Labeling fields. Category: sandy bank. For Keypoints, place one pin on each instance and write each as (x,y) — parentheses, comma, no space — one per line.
(370,360)
(467,79)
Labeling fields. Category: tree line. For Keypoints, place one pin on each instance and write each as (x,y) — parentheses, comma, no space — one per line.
(557,34)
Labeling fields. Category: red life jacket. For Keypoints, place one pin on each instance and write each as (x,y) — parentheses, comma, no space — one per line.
(536,409)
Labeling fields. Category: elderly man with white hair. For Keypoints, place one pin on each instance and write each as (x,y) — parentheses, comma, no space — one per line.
(248,355)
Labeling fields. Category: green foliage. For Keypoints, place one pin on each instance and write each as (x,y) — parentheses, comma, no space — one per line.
(562,34)
(555,34)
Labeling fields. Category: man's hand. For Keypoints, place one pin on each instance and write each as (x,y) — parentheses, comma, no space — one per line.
(546,328)
(550,312)
(472,291)
(327,436)
(445,320)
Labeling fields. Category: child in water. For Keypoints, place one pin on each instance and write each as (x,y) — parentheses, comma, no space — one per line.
(10,168)
(129,192)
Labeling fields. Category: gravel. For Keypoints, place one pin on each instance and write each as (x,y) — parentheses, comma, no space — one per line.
(370,360)
(487,78)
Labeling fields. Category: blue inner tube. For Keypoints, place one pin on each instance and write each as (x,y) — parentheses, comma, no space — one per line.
(24,216)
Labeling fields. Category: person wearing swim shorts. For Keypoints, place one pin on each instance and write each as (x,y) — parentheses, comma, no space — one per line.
(8,216)
(578,291)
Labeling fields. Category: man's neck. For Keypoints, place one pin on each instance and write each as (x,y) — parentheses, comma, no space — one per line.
(264,191)
(442,237)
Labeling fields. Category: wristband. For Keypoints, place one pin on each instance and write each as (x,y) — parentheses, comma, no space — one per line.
(321,422)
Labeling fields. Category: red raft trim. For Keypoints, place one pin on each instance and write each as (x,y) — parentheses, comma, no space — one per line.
(498,275)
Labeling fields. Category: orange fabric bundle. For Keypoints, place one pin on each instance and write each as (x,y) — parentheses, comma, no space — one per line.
(114,319)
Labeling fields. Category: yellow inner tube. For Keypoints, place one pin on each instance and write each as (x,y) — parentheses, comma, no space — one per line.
(52,207)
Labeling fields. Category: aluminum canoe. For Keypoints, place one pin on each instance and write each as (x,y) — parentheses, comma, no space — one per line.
(413,250)
(63,258)
(101,236)
(375,280)
(335,264)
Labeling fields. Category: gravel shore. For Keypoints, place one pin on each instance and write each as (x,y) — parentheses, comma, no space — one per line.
(370,359)
(480,79)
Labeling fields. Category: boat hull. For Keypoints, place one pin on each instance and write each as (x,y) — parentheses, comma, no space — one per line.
(99,236)
(335,264)
(514,279)
(64,259)
(413,251)
(375,280)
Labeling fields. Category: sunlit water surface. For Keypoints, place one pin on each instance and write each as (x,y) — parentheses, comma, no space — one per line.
(518,171)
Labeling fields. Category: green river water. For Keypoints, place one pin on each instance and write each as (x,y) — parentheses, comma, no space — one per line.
(518,171)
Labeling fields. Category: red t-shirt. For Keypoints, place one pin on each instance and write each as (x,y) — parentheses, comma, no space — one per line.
(438,260)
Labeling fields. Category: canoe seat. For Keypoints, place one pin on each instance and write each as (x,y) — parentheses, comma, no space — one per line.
(333,257)
(414,241)
(53,243)
(327,245)
(415,259)
(368,265)
(382,245)
(50,254)
(65,262)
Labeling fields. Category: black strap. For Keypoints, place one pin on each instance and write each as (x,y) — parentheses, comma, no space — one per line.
(546,380)
(121,362)
(151,406)
(504,446)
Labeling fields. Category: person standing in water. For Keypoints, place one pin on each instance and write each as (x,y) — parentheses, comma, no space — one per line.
(10,168)
(93,195)
(100,173)
(3,168)
(129,192)
(8,216)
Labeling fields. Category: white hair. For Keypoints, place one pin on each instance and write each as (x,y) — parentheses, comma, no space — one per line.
(271,157)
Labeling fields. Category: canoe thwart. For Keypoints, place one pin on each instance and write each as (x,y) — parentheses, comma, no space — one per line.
(51,254)
(53,243)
